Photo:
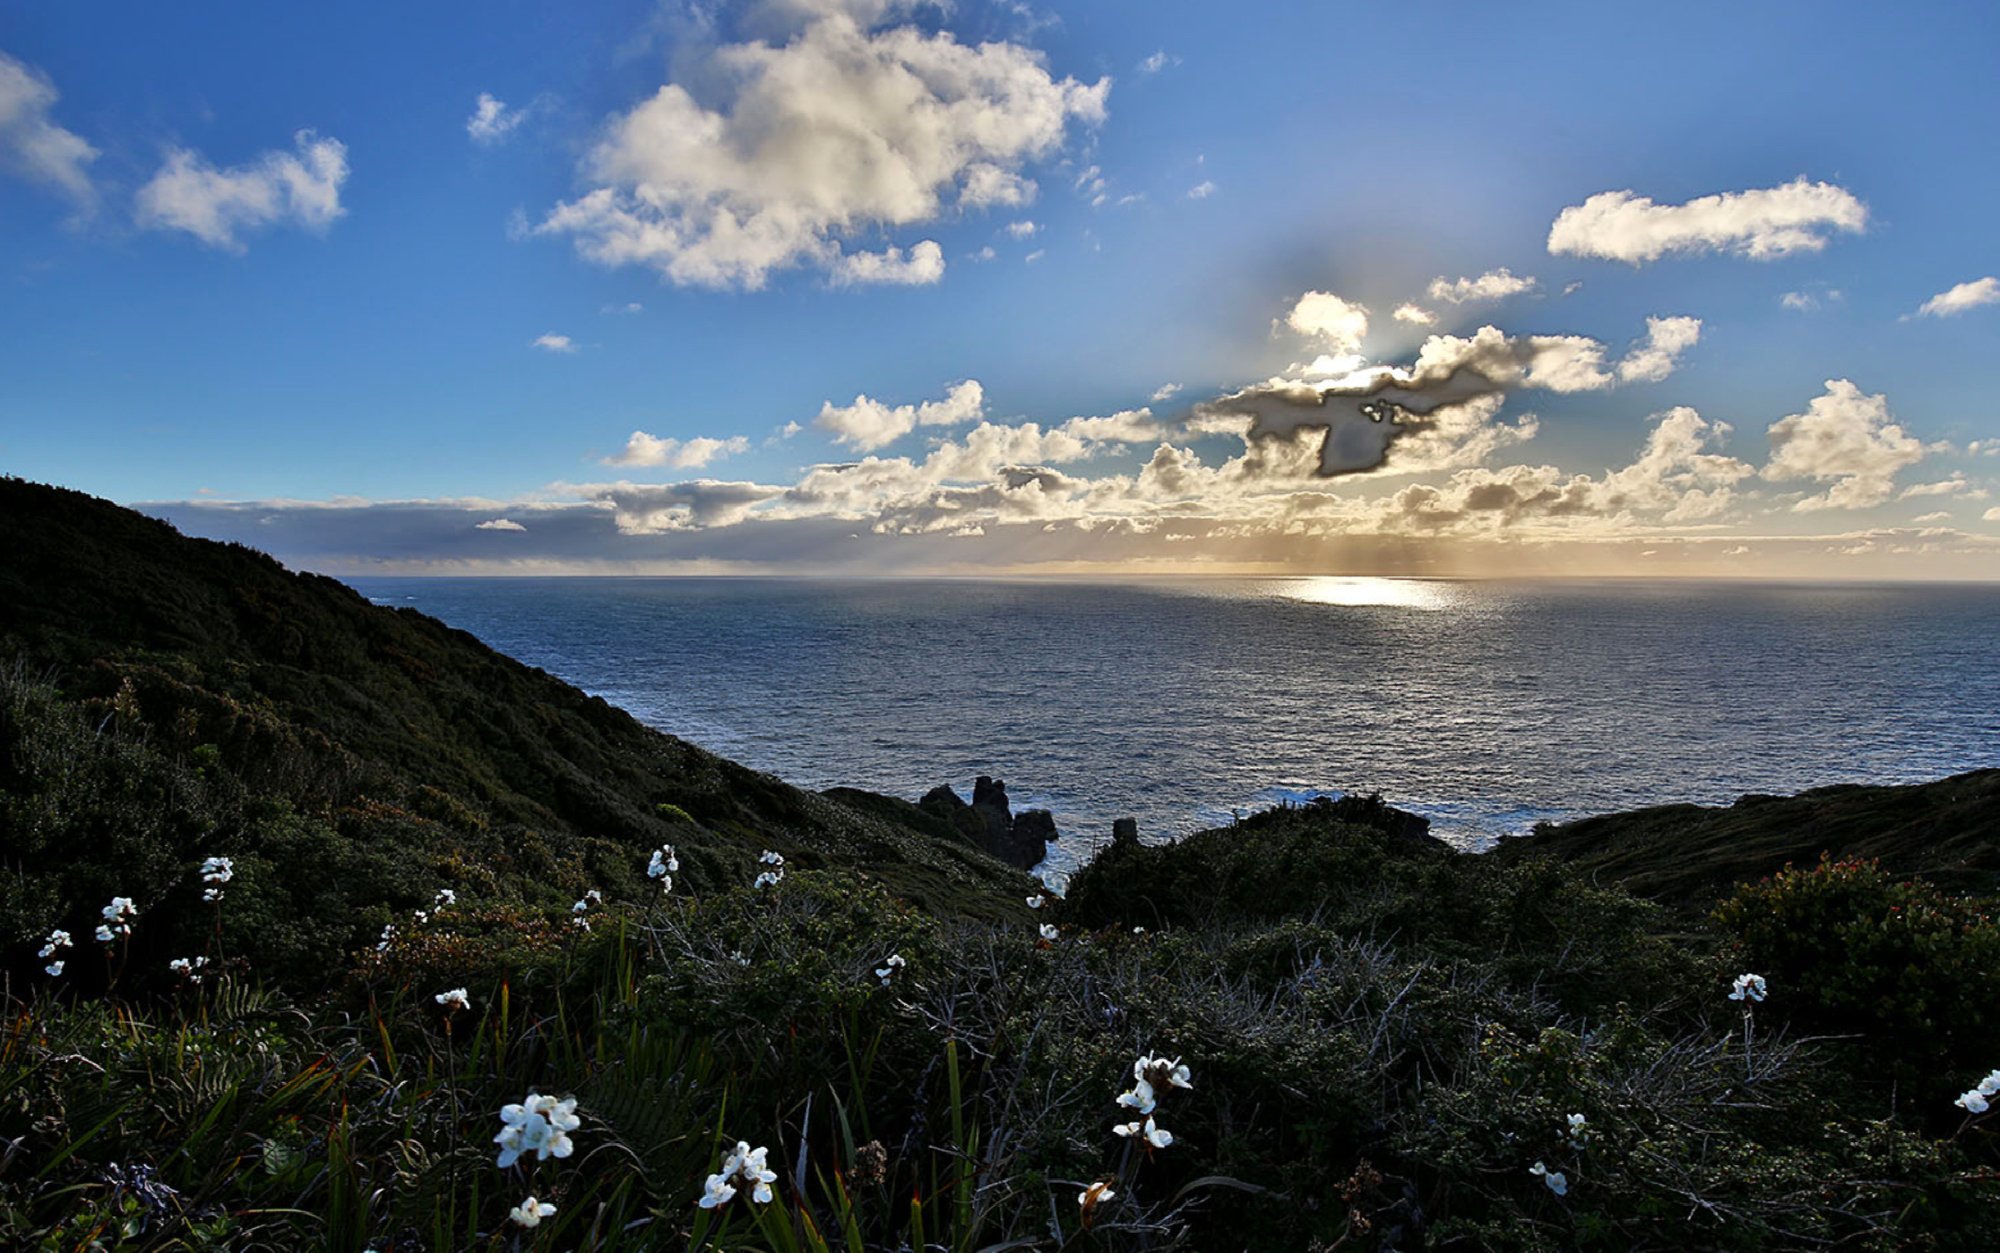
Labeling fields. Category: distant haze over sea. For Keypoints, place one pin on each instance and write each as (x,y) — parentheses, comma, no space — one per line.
(1486,706)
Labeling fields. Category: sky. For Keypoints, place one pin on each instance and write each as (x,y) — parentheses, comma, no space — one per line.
(864,286)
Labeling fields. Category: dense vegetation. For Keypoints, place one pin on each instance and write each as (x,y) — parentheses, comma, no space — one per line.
(1383,1039)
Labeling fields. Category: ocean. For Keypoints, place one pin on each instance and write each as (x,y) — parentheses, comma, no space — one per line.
(1487,706)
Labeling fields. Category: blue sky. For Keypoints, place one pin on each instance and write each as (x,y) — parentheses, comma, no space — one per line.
(276,275)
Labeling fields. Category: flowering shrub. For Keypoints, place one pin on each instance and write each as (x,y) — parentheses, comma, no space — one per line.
(1911,973)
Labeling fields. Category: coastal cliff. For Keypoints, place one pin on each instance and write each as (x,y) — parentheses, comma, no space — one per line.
(380,883)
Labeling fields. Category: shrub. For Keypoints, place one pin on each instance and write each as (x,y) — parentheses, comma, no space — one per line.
(1913,975)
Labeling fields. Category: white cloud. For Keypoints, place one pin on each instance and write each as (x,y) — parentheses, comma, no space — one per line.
(868,424)
(1956,485)
(1991,515)
(1760,224)
(492,121)
(1022,229)
(1341,323)
(1811,301)
(1848,438)
(1414,314)
(1165,391)
(1035,256)
(797,146)
(1957,300)
(629,307)
(1655,357)
(1202,190)
(1158,61)
(642,449)
(987,185)
(1492,285)
(1127,426)
(216,206)
(499,524)
(1675,479)
(32,146)
(657,508)
(553,343)
(1939,516)
(923,264)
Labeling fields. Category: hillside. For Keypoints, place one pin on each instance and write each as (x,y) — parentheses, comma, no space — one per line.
(1947,832)
(282,719)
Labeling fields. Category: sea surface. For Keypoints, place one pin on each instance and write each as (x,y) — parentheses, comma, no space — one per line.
(1486,706)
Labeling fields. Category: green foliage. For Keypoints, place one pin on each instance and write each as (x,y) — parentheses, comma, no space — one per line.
(1910,973)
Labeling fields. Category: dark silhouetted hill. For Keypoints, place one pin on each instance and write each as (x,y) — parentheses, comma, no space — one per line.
(1947,832)
(170,698)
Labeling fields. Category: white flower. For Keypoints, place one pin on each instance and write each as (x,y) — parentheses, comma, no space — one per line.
(580,922)
(1578,1136)
(769,879)
(1557,1181)
(1749,987)
(454,999)
(54,969)
(1151,1133)
(1036,901)
(420,916)
(1138,931)
(772,858)
(594,896)
(742,1165)
(1093,1196)
(446,898)
(738,957)
(530,1213)
(1972,1102)
(715,1192)
(211,895)
(664,864)
(1159,1070)
(388,938)
(1049,932)
(218,870)
(59,940)
(118,916)
(1139,1098)
(538,1125)
(890,965)
(1989,1086)
(189,968)
(755,1173)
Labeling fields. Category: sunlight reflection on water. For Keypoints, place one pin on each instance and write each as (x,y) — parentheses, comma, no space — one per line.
(1363,591)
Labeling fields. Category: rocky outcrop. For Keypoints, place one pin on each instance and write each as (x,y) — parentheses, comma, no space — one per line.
(990,824)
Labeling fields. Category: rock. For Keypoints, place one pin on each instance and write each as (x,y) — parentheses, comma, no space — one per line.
(1125,831)
(990,824)
(942,800)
